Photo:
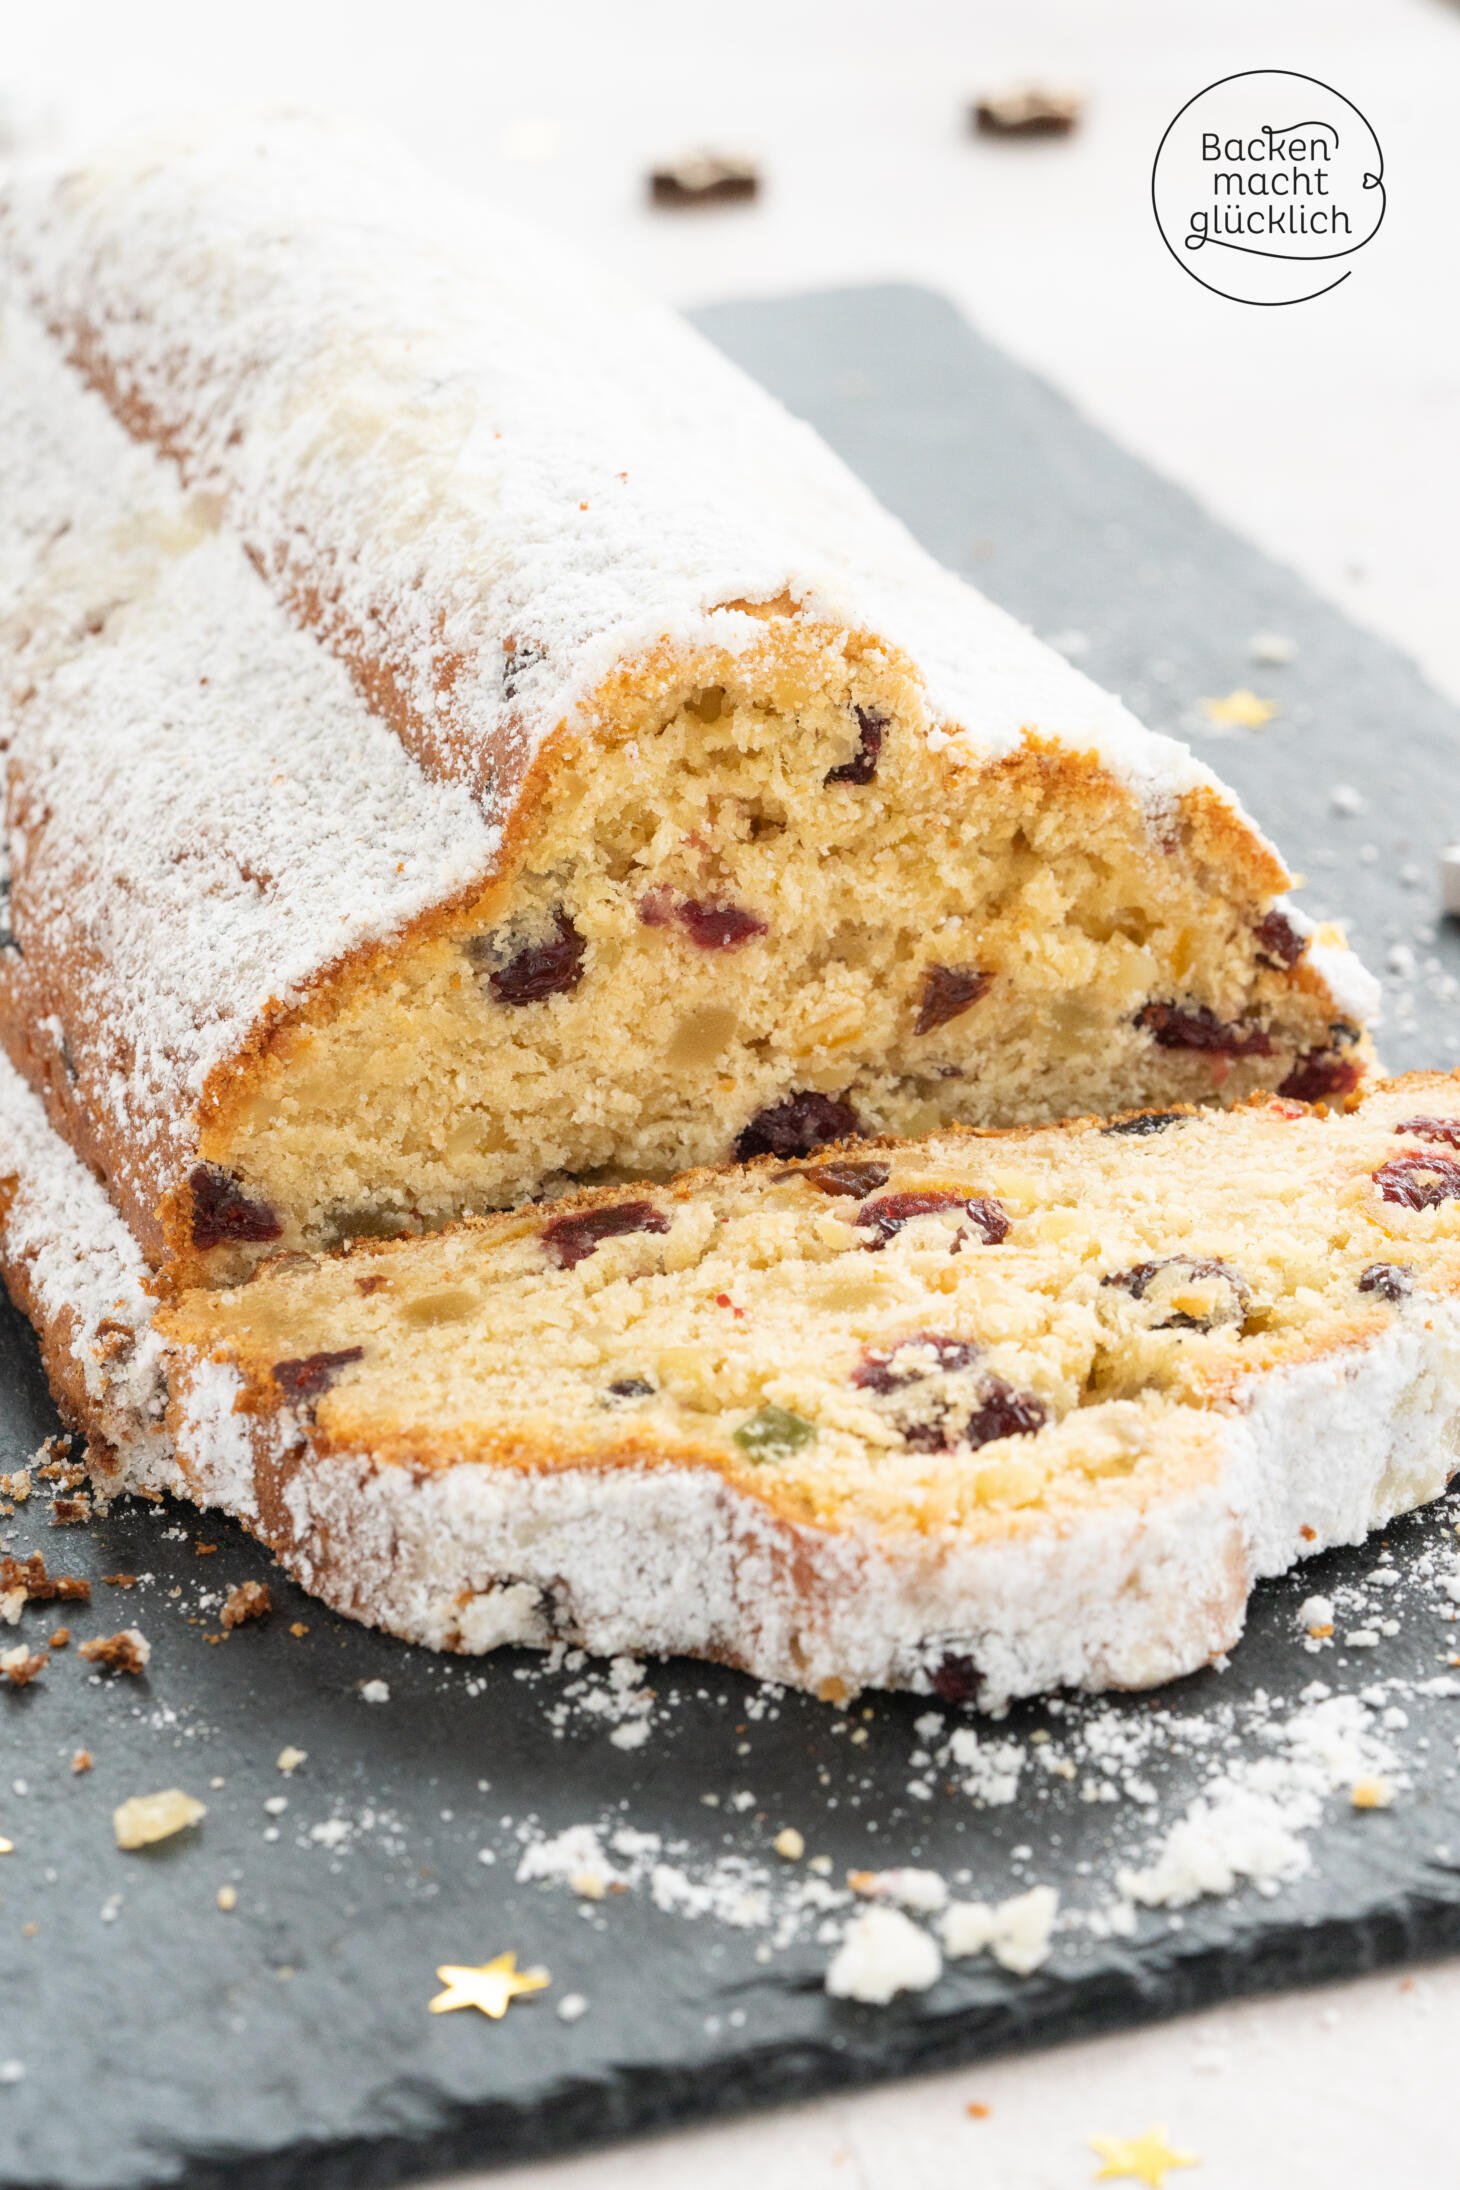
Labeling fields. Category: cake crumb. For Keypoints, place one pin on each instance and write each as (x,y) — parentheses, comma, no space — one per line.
(81,1760)
(246,1601)
(128,1651)
(21,1666)
(227,1899)
(144,1819)
(375,1691)
(1026,110)
(789,1844)
(882,1954)
(289,1758)
(1371,1794)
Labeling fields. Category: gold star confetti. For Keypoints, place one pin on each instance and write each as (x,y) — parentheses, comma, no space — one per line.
(490,1986)
(1240,710)
(1147,2158)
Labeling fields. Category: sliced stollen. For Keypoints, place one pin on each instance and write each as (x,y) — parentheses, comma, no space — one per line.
(463,738)
(984,1414)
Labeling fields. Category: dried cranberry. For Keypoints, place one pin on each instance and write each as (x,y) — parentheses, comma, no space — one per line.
(862,767)
(569,1240)
(1433,1129)
(1279,943)
(848,1177)
(1145,1123)
(948,991)
(223,1214)
(1003,1411)
(1419,1182)
(312,1374)
(656,906)
(955,1679)
(1319,1074)
(537,970)
(718,927)
(1201,1029)
(796,1125)
(1186,1269)
(888,1213)
(1390,1280)
(877,1371)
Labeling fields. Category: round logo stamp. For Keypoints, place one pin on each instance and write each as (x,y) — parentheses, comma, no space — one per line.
(1266,184)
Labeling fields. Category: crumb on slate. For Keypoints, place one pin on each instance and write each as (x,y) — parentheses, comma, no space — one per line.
(246,1601)
(125,1652)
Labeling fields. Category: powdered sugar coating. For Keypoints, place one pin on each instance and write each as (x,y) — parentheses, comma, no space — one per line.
(455,439)
(203,813)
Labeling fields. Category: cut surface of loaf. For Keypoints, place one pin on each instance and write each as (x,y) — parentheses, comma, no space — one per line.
(984,1413)
(463,739)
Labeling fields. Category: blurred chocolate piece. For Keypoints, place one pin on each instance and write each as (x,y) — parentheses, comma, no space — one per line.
(1027,110)
(704,178)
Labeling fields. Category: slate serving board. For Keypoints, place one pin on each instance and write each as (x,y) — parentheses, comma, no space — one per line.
(161,2041)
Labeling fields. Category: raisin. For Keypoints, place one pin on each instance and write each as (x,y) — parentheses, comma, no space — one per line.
(796,1125)
(862,767)
(955,1679)
(1433,1129)
(877,1370)
(1419,1182)
(567,1241)
(631,1387)
(312,1374)
(1319,1074)
(1184,1270)
(223,1214)
(772,1432)
(1201,1029)
(718,927)
(1145,1123)
(888,1213)
(1390,1280)
(848,1177)
(1003,1411)
(947,992)
(536,970)
(1279,943)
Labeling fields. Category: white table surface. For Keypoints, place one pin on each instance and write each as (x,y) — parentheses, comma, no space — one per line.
(1329,432)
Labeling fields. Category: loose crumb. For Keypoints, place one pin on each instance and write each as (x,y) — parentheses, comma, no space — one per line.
(70,1511)
(1371,1794)
(21,1666)
(289,1758)
(247,1601)
(148,1818)
(125,1652)
(298,1628)
(571,2007)
(883,1953)
(82,1761)
(227,1899)
(120,1581)
(375,1691)
(789,1844)
(58,1638)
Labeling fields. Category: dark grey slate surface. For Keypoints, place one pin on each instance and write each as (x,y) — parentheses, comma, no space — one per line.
(288,2043)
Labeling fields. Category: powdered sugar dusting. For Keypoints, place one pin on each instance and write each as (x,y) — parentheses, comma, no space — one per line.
(452,437)
(203,813)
